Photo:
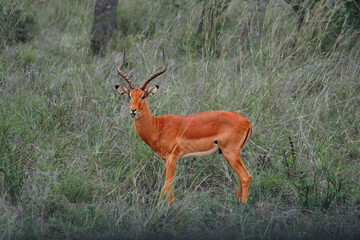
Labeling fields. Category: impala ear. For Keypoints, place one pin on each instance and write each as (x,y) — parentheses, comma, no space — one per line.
(122,90)
(152,90)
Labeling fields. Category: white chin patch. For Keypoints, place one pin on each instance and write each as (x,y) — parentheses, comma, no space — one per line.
(137,115)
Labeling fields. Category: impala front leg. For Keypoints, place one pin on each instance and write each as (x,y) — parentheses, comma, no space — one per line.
(170,164)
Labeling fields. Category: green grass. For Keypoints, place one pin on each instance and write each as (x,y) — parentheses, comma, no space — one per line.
(72,165)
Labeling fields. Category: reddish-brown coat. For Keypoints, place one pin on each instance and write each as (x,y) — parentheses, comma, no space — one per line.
(200,134)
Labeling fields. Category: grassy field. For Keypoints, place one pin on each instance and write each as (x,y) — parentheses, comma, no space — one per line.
(73,167)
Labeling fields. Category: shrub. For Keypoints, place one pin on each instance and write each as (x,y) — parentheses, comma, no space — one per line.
(16,25)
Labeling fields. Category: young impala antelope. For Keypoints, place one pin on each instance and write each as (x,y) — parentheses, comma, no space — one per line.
(196,135)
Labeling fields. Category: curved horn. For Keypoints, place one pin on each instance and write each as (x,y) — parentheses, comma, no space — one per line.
(123,75)
(152,76)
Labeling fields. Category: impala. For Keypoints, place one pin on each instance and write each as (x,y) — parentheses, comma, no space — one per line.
(197,135)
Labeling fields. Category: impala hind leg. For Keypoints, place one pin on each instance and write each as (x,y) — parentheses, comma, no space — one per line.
(170,164)
(234,160)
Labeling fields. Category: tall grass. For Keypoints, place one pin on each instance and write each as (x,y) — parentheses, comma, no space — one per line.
(72,165)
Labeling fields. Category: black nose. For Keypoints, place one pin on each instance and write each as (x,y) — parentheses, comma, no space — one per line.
(133,113)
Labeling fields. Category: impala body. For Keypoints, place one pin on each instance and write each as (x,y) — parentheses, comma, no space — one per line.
(196,135)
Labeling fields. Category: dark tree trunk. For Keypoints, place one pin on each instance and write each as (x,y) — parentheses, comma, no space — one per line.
(105,22)
(210,14)
(201,23)
(299,9)
(211,10)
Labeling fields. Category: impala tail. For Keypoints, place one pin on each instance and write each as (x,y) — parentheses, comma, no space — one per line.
(248,134)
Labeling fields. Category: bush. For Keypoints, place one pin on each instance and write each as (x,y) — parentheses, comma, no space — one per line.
(16,25)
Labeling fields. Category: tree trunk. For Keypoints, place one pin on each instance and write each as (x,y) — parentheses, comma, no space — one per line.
(210,14)
(105,22)
(298,7)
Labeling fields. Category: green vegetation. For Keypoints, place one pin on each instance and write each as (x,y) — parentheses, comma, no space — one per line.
(72,165)
(15,26)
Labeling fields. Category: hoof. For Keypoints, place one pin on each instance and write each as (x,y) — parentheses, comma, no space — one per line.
(239,201)
(170,198)
(165,194)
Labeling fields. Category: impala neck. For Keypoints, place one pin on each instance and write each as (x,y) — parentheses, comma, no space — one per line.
(146,126)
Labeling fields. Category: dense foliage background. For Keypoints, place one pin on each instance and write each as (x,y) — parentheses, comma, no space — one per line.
(72,165)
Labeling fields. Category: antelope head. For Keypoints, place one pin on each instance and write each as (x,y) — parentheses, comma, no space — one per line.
(138,96)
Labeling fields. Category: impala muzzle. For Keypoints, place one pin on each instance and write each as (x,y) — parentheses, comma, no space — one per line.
(133,113)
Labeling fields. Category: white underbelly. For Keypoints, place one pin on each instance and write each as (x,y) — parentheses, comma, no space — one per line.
(201,154)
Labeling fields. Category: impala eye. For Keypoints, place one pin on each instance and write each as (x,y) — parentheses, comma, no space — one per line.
(142,97)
